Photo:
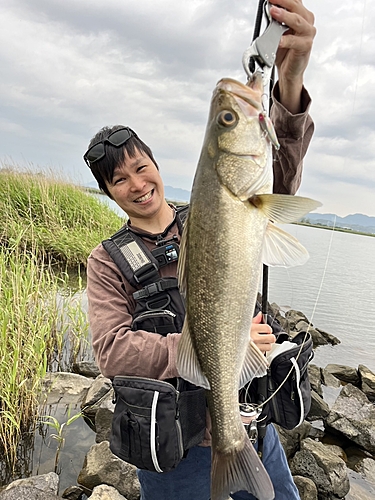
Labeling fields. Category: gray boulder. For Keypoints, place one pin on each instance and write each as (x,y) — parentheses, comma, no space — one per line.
(102,466)
(331,339)
(366,467)
(345,373)
(291,439)
(105,492)
(306,488)
(44,487)
(103,424)
(323,467)
(86,368)
(353,415)
(315,378)
(319,408)
(329,380)
(367,378)
(65,388)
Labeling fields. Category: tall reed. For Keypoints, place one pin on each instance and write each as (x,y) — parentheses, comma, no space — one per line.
(28,320)
(47,226)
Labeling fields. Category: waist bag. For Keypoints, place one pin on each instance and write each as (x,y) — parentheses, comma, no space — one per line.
(154,423)
(288,383)
(286,388)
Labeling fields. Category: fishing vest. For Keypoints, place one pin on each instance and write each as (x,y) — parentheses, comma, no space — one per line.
(159,305)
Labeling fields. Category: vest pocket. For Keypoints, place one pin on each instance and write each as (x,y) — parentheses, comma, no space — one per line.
(157,321)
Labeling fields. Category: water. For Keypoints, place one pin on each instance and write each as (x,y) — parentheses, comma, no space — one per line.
(335,289)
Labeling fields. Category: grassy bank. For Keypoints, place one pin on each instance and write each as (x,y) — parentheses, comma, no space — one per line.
(44,212)
(47,228)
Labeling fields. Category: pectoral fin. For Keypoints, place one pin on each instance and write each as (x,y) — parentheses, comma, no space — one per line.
(187,363)
(281,249)
(284,208)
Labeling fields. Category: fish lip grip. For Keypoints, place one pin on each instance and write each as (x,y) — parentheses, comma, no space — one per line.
(263,49)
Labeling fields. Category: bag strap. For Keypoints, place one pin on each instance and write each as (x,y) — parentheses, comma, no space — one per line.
(131,255)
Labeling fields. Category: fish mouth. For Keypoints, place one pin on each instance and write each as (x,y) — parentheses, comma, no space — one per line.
(248,97)
(144,197)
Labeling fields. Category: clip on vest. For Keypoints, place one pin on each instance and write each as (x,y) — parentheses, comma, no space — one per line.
(148,272)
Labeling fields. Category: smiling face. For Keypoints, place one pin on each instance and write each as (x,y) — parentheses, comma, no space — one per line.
(138,189)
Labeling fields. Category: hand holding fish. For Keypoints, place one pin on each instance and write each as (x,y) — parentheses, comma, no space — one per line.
(261,334)
(294,50)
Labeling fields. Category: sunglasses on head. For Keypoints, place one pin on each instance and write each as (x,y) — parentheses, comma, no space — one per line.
(116,138)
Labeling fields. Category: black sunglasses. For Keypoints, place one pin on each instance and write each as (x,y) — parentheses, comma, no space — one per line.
(116,138)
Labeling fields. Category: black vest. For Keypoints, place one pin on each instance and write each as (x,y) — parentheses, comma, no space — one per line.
(159,304)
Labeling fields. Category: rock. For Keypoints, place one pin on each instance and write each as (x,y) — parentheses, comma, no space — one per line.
(102,466)
(315,379)
(44,487)
(306,488)
(323,467)
(359,488)
(86,368)
(100,394)
(103,424)
(27,493)
(331,339)
(291,439)
(329,380)
(319,408)
(294,317)
(354,416)
(366,467)
(337,450)
(105,492)
(367,381)
(45,482)
(73,493)
(317,338)
(355,455)
(344,373)
(65,388)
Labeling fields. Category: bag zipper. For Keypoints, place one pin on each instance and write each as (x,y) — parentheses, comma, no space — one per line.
(163,312)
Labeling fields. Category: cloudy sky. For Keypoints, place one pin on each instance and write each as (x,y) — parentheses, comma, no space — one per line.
(69,67)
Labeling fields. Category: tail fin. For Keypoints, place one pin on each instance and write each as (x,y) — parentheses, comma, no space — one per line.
(239,471)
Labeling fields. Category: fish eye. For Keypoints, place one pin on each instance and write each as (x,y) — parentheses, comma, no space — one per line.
(226,118)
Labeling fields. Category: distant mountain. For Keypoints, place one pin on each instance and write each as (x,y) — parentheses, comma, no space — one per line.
(356,222)
(176,194)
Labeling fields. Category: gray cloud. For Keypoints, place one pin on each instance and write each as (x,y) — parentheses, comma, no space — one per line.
(70,67)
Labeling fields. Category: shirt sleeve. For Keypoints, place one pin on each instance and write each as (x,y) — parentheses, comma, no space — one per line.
(118,350)
(294,133)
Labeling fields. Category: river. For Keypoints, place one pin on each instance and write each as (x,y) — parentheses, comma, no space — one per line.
(335,289)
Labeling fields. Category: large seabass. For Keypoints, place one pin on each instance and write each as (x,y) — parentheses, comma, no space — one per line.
(227,236)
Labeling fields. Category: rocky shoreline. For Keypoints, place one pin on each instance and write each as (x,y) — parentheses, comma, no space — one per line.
(331,455)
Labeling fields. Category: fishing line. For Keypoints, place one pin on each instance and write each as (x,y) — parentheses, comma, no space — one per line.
(322,281)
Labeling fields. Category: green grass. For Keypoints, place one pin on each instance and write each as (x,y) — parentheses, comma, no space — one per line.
(48,227)
(60,219)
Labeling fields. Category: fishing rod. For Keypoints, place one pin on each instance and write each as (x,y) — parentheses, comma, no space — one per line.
(262,52)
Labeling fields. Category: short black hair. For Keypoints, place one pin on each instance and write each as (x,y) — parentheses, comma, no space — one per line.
(103,170)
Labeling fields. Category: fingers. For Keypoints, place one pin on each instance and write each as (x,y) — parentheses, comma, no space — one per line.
(286,9)
(263,342)
(300,21)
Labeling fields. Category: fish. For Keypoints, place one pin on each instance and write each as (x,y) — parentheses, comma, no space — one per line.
(229,232)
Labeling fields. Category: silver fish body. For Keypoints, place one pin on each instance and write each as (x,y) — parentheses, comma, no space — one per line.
(220,266)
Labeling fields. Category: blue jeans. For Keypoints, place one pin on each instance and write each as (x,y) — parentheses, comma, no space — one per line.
(191,478)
